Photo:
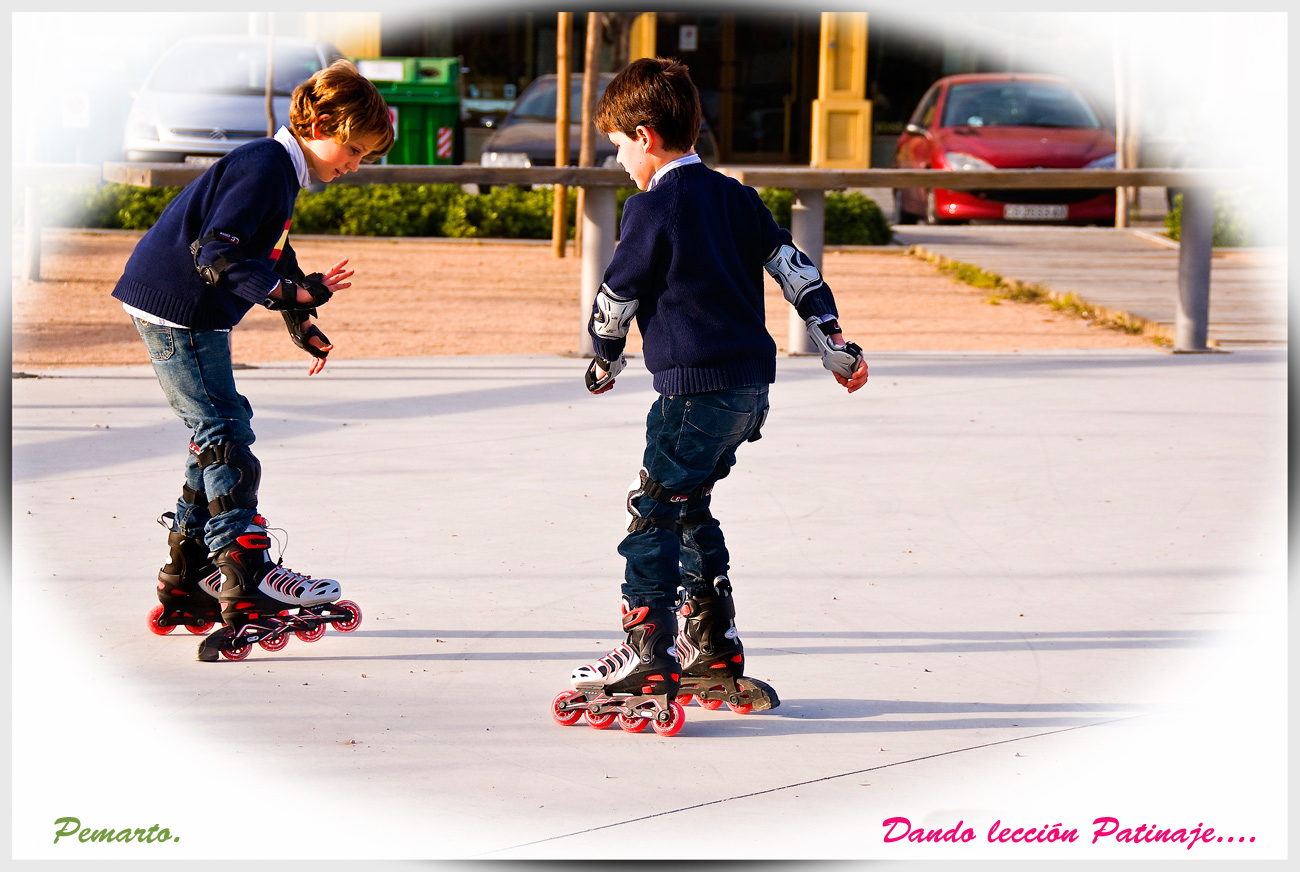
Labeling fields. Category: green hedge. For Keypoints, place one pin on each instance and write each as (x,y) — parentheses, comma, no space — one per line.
(424,210)
(1232,224)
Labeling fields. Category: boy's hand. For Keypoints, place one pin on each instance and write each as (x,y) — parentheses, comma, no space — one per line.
(859,377)
(309,338)
(337,278)
(600,373)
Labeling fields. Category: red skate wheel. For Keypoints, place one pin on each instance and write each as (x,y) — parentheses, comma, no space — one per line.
(351,623)
(598,722)
(154,626)
(676,720)
(740,709)
(275,643)
(684,699)
(238,653)
(200,629)
(711,704)
(311,635)
(568,717)
(633,724)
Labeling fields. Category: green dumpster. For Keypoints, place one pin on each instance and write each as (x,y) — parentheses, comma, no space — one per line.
(423,95)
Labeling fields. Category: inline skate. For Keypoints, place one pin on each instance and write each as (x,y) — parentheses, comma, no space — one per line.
(635,683)
(262,602)
(187,585)
(712,657)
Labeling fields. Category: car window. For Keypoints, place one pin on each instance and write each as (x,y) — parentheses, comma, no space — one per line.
(924,114)
(537,103)
(1026,104)
(226,68)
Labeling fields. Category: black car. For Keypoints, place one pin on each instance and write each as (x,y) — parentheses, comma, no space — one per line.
(526,136)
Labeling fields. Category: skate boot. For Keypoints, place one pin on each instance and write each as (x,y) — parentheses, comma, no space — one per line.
(263,602)
(635,683)
(712,658)
(187,585)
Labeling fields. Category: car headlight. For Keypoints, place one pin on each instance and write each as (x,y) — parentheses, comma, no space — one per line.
(505,159)
(956,160)
(141,126)
(1102,163)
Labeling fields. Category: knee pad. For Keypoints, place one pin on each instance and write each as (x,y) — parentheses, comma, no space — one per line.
(244,493)
(694,502)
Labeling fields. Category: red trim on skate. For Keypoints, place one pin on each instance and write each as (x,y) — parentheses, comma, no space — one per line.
(739,658)
(254,540)
(636,615)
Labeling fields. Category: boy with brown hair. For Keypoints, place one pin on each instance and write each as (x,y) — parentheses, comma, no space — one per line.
(220,247)
(689,269)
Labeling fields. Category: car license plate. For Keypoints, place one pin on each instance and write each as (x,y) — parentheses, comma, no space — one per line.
(1020,212)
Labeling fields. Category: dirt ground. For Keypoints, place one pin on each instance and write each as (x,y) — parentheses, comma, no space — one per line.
(419,297)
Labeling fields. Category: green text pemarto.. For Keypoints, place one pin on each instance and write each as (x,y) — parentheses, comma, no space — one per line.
(70,826)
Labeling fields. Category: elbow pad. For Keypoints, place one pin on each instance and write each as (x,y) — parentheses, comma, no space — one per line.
(613,317)
(794,272)
(212,273)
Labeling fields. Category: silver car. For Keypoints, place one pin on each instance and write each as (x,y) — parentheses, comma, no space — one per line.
(526,136)
(207,95)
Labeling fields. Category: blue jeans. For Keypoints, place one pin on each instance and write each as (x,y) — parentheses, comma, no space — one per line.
(193,367)
(691,442)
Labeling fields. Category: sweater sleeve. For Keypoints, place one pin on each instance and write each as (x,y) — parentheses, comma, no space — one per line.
(819,301)
(241,204)
(637,269)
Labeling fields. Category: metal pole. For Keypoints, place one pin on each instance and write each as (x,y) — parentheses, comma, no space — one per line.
(1196,239)
(32,233)
(599,209)
(808,227)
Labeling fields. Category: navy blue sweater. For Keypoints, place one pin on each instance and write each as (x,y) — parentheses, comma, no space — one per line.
(248,195)
(691,253)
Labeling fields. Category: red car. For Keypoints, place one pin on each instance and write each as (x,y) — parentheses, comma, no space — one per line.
(983,121)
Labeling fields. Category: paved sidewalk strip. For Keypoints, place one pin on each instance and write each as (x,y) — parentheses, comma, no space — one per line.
(1033,588)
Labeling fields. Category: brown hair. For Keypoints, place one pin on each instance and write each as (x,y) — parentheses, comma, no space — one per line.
(352,102)
(656,93)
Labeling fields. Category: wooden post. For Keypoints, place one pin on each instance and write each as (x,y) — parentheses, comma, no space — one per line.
(563,36)
(270,74)
(1121,127)
(807,226)
(599,209)
(586,147)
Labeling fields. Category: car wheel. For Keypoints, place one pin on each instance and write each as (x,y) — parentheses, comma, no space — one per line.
(901,215)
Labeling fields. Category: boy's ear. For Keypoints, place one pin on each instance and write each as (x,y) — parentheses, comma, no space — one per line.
(315,127)
(646,137)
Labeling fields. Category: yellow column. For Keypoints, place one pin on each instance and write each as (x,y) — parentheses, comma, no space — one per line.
(841,116)
(641,39)
(356,34)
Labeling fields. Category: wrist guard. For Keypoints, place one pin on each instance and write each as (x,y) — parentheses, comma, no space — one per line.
(293,321)
(611,367)
(843,359)
(312,284)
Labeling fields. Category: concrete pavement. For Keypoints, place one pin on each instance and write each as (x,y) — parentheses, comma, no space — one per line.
(1000,590)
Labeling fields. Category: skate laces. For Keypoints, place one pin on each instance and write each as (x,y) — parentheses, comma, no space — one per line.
(281,544)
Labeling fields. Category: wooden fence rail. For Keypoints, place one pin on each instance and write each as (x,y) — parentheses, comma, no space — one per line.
(807,219)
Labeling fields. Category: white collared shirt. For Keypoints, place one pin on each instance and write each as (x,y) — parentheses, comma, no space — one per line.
(684,160)
(285,137)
